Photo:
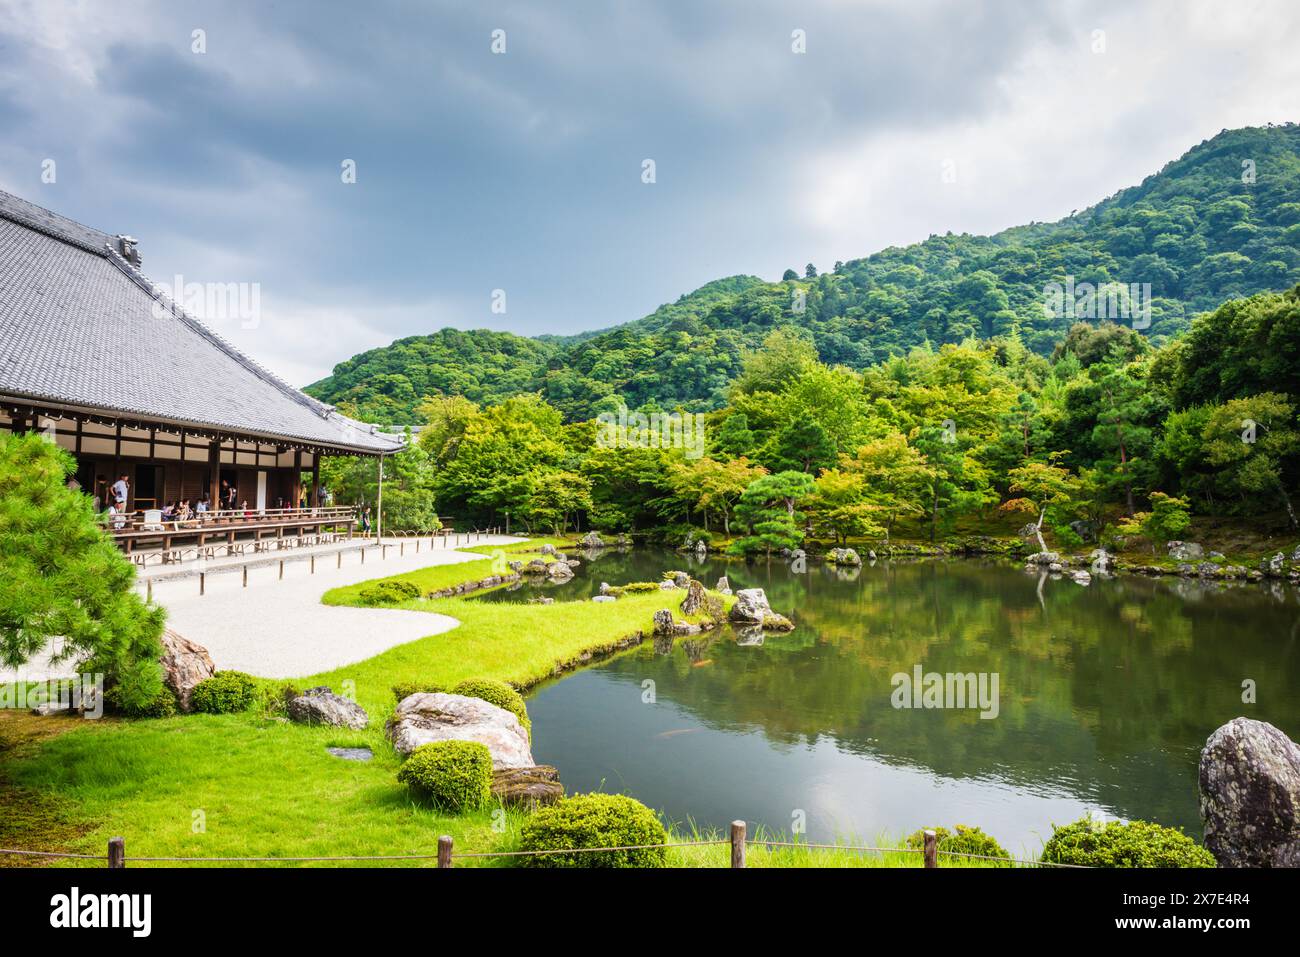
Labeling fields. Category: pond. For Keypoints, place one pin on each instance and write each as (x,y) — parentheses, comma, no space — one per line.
(1106,694)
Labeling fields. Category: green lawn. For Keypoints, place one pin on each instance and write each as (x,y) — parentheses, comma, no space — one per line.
(247,785)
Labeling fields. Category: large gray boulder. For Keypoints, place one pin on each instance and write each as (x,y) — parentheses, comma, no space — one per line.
(1250,795)
(184,664)
(427,717)
(723,587)
(559,571)
(322,706)
(843,556)
(1186,551)
(591,540)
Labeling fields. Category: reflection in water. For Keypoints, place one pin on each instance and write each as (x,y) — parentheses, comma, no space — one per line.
(1107,694)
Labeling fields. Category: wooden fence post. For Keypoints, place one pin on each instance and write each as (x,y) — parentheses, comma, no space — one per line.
(401,549)
(340,556)
(363,554)
(148,589)
(282,569)
(116,853)
(245,576)
(737,844)
(931,849)
(313,564)
(444,851)
(202,582)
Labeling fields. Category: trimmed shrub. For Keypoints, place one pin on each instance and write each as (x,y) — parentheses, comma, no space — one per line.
(1114,844)
(633,588)
(392,592)
(965,840)
(594,820)
(404,689)
(226,692)
(498,693)
(454,775)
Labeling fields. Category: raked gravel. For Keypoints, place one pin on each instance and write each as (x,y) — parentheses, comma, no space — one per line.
(280,629)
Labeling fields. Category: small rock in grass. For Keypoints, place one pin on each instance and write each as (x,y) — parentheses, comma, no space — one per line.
(352,754)
(322,706)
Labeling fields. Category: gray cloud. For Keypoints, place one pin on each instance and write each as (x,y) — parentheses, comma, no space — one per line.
(521,171)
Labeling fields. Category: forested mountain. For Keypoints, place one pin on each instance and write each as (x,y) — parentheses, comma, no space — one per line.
(1223,221)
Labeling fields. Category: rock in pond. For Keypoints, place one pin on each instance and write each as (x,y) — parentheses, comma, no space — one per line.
(843,556)
(591,540)
(435,716)
(322,706)
(184,664)
(1250,795)
(723,587)
(751,607)
(559,571)
(527,787)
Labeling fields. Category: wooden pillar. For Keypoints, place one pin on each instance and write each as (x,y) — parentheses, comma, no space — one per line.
(315,479)
(379,503)
(297,478)
(214,472)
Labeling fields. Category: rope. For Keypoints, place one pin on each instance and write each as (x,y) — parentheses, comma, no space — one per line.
(572,850)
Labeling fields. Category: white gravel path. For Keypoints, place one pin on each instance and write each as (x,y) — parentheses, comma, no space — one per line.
(280,629)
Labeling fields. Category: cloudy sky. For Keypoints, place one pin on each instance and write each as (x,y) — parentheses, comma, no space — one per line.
(523,170)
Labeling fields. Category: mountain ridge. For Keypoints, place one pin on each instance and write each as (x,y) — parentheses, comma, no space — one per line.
(1196,232)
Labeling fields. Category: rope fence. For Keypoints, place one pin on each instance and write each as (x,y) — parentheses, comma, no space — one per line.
(738,841)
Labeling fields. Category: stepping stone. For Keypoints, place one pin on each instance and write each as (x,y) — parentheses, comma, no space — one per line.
(352,754)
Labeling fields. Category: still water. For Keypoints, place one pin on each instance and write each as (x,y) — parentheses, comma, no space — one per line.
(1106,696)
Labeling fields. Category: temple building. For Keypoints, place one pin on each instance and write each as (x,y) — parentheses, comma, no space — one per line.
(93,354)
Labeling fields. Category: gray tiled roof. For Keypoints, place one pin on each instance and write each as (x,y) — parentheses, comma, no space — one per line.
(80,326)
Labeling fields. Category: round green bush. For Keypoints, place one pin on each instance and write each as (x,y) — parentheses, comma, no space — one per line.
(963,839)
(1114,844)
(594,820)
(498,693)
(226,692)
(404,689)
(454,775)
(392,592)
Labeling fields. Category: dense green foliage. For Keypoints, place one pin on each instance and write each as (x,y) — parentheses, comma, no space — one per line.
(1197,232)
(963,839)
(594,820)
(498,693)
(226,692)
(61,576)
(1090,843)
(1128,437)
(453,775)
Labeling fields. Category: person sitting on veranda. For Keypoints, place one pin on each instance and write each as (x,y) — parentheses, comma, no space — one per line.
(248,512)
(183,511)
(168,511)
(115,516)
(202,506)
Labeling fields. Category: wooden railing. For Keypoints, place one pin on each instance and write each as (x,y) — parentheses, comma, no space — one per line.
(134,522)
